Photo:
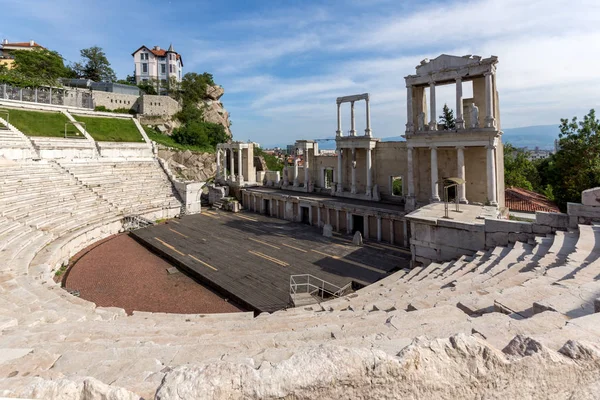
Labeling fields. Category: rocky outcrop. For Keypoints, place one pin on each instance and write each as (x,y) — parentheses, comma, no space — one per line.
(189,165)
(213,108)
(457,367)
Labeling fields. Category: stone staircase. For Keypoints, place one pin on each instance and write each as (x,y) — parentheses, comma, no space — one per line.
(14,145)
(544,289)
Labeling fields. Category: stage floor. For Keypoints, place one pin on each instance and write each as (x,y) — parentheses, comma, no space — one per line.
(249,257)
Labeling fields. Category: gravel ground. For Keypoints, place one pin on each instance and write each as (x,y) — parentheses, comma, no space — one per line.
(119,272)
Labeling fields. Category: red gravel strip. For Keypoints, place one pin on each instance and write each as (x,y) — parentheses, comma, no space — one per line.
(120,272)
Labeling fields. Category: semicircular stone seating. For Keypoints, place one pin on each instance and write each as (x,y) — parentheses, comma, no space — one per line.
(528,299)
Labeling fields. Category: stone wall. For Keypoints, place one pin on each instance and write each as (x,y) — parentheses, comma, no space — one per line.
(188,165)
(163,106)
(113,101)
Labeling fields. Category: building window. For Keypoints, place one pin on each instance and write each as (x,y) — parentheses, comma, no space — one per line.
(163,68)
(171,68)
(396,186)
(144,68)
(328,178)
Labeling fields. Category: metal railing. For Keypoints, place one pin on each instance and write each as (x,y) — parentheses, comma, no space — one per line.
(316,287)
(132,222)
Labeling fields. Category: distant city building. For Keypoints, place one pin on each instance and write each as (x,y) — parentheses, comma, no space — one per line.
(157,64)
(290,149)
(538,154)
(6,50)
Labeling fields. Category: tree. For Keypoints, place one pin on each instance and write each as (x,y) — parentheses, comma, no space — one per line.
(148,87)
(130,80)
(94,65)
(200,133)
(577,163)
(193,87)
(519,171)
(41,64)
(447,118)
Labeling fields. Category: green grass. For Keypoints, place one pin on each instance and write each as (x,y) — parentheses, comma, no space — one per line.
(111,129)
(38,123)
(170,142)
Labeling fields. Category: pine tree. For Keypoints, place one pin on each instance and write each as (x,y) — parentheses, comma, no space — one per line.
(447,118)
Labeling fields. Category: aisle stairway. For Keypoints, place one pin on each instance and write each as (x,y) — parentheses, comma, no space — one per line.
(14,144)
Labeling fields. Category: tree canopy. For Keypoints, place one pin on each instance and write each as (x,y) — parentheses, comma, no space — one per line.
(519,171)
(94,65)
(42,64)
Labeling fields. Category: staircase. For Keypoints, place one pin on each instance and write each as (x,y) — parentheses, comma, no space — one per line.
(308,289)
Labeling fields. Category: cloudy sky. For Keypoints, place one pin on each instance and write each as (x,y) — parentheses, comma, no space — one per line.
(283,63)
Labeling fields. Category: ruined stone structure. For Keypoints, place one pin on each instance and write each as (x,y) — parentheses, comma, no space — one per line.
(235,164)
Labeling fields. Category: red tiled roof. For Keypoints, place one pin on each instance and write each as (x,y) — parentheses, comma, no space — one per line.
(23,44)
(518,199)
(158,53)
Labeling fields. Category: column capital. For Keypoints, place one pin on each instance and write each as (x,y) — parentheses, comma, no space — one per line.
(433,147)
(488,73)
(460,147)
(458,79)
(491,146)
(431,81)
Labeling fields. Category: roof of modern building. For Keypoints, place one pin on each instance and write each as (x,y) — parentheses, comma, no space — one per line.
(519,199)
(157,51)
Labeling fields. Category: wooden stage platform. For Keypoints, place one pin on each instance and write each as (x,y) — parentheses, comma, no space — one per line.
(249,258)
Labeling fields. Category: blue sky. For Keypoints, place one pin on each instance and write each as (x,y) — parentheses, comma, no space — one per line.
(283,63)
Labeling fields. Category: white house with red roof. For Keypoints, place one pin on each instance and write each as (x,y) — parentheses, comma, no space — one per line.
(157,64)
(6,49)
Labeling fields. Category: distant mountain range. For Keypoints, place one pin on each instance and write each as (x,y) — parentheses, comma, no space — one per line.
(541,136)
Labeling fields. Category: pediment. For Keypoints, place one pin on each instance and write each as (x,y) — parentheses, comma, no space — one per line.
(446,62)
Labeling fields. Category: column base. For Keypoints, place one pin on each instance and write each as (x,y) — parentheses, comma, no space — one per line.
(368,132)
(410,203)
(295,183)
(410,128)
(463,201)
(340,189)
(353,190)
(490,122)
(433,126)
(369,191)
(434,199)
(460,124)
(352,133)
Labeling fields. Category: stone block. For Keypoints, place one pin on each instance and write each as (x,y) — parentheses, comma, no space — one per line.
(494,239)
(591,197)
(357,240)
(327,230)
(518,237)
(499,225)
(541,229)
(555,220)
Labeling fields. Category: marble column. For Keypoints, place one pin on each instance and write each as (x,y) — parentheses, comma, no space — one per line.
(352,120)
(435,196)
(296,171)
(306,171)
(340,187)
(277,208)
(310,215)
(337,220)
(225,174)
(489,121)
(410,124)
(366,227)
(218,163)
(410,173)
(348,222)
(432,113)
(368,117)
(378,228)
(491,175)
(232,158)
(286,178)
(240,169)
(271,208)
(369,173)
(405,233)
(460,122)
(328,216)
(391,231)
(353,172)
(460,158)
(339,121)
(319,216)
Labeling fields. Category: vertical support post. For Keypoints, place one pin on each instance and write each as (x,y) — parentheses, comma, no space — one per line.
(296,171)
(391,231)
(368,117)
(50,100)
(218,162)
(432,113)
(410,124)
(405,233)
(348,222)
(328,216)
(491,175)
(379,228)
(232,157)
(435,196)
(306,170)
(277,208)
(340,187)
(36,89)
(460,157)
(352,120)
(366,226)
(490,121)
(319,215)
(337,220)
(310,215)
(240,168)
(225,165)
(460,122)
(21,94)
(339,121)
(353,172)
(4,91)
(369,174)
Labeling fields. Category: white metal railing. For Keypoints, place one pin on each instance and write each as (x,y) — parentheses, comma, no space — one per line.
(316,287)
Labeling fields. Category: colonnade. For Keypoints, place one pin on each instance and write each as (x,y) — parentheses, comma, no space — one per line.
(489,121)
(368,168)
(228,174)
(460,157)
(352,100)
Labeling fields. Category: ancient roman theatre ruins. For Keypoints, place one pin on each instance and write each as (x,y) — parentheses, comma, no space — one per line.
(439,301)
